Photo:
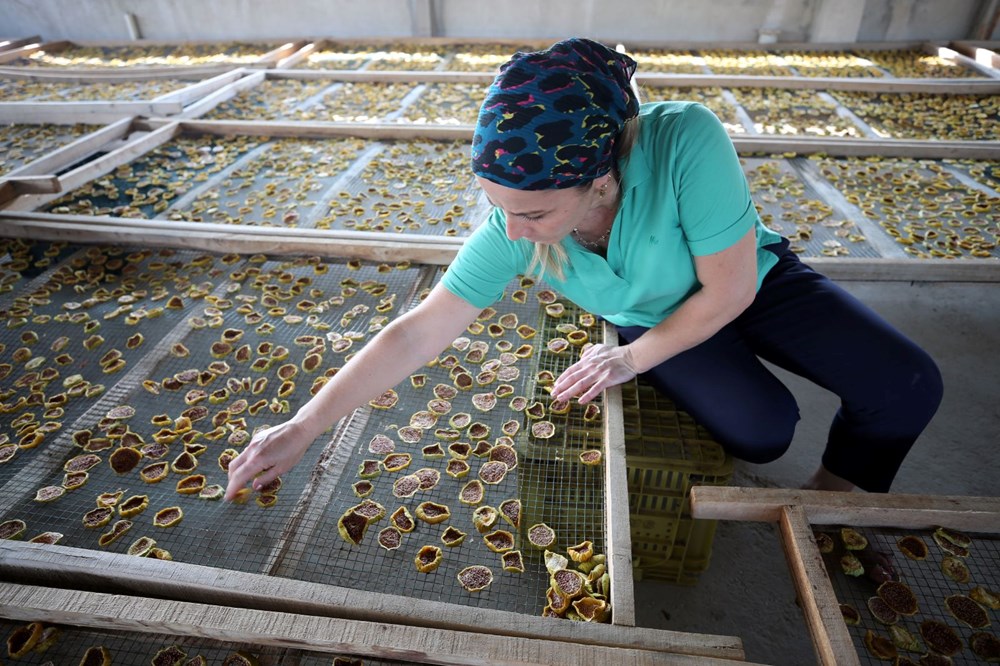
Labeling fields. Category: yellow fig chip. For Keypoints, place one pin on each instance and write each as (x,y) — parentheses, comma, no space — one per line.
(499,541)
(155,472)
(428,559)
(168,517)
(512,561)
(191,485)
(49,493)
(541,535)
(133,506)
(432,513)
(402,520)
(510,510)
(390,538)
(141,546)
(452,537)
(475,578)
(24,639)
(591,457)
(124,459)
(12,529)
(118,529)
(98,517)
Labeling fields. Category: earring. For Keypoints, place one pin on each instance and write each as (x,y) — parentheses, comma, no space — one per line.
(604,190)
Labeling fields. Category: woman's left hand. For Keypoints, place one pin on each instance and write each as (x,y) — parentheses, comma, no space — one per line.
(599,367)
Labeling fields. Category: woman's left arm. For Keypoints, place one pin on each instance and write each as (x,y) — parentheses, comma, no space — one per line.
(728,285)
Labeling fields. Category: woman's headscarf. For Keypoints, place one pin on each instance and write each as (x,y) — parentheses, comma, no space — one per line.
(550,118)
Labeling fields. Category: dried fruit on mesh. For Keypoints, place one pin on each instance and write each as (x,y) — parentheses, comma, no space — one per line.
(484,518)
(541,535)
(853,540)
(457,468)
(499,541)
(24,639)
(133,506)
(49,493)
(168,517)
(582,552)
(395,462)
(432,513)
(81,463)
(881,611)
(568,583)
(212,492)
(510,510)
(493,472)
(899,597)
(851,565)
(949,546)
(475,578)
(369,469)
(913,547)
(593,457)
(381,445)
(955,569)
(49,538)
(985,646)
(429,478)
(967,611)
(124,459)
(98,517)
(504,453)
(410,434)
(406,486)
(940,637)
(880,646)
(985,597)
(118,529)
(154,472)
(953,536)
(402,520)
(543,429)
(428,559)
(472,493)
(364,488)
(850,614)
(390,538)
(452,536)
(387,400)
(904,640)
(352,527)
(591,609)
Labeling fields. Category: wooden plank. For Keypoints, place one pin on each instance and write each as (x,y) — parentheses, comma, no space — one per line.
(223,94)
(13,187)
(11,44)
(196,91)
(77,75)
(84,146)
(907,270)
(272,57)
(830,637)
(81,111)
(300,632)
(59,566)
(935,86)
(945,52)
(983,53)
(380,76)
(297,57)
(321,130)
(240,241)
(850,147)
(14,54)
(972,514)
(616,514)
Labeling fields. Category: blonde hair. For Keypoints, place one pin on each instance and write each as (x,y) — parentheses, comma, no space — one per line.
(552,257)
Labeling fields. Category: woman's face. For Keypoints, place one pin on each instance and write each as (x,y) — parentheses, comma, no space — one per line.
(541,216)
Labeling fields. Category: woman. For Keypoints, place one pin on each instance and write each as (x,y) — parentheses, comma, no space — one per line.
(643,216)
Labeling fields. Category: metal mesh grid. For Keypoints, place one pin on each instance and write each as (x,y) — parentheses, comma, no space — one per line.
(926,581)
(179,55)
(86,91)
(793,112)
(713,98)
(920,204)
(925,115)
(273,99)
(915,63)
(279,183)
(792,207)
(20,144)
(149,184)
(552,484)
(357,103)
(447,104)
(408,187)
(138,649)
(210,533)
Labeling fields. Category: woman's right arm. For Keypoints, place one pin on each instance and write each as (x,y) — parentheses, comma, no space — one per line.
(396,352)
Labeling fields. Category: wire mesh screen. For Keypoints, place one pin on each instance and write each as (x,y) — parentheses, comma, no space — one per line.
(931,586)
(69,645)
(547,475)
(272,99)
(20,144)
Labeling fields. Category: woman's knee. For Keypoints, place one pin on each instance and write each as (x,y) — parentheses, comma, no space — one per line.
(761,438)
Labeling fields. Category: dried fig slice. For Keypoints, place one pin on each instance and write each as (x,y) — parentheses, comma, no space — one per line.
(49,493)
(851,565)
(541,536)
(372,511)
(387,400)
(853,540)
(904,640)
(493,472)
(50,538)
(460,420)
(568,583)
(12,529)
(369,469)
(363,488)
(395,462)
(505,454)
(154,472)
(475,578)
(457,468)
(381,445)
(7,452)
(472,493)
(168,517)
(98,517)
(81,463)
(402,520)
(484,518)
(967,611)
(432,513)
(428,559)
(499,541)
(955,569)
(410,434)
(212,492)
(591,412)
(406,486)
(899,597)
(390,538)
(985,646)
(185,463)
(881,611)
(582,552)
(432,451)
(121,412)
(957,538)
(593,457)
(985,597)
(948,546)
(850,614)
(124,459)
(352,527)
(452,537)
(543,429)
(133,506)
(484,402)
(429,478)
(169,656)
(511,511)
(940,637)
(118,529)
(512,561)
(913,547)
(459,450)
(191,485)
(591,609)
(880,646)
(24,639)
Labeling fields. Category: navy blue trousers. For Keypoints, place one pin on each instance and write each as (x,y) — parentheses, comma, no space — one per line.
(801,321)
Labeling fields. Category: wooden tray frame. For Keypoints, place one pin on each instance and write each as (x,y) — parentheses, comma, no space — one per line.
(797,511)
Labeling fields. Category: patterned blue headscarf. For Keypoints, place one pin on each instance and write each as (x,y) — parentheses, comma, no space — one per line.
(551,117)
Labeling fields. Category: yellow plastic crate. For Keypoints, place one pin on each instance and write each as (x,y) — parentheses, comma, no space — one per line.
(667,452)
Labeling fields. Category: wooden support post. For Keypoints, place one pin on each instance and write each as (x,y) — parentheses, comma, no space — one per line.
(196,91)
(11,188)
(76,568)
(75,151)
(616,512)
(301,632)
(945,52)
(69,75)
(223,94)
(981,52)
(68,112)
(935,86)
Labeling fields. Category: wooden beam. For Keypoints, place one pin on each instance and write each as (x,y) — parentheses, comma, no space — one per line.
(84,146)
(16,54)
(63,113)
(981,53)
(223,94)
(320,130)
(973,514)
(196,91)
(59,566)
(146,616)
(945,52)
(935,86)
(75,75)
(380,76)
(907,270)
(849,147)
(830,637)
(13,187)
(616,512)
(11,44)
(294,59)
(272,57)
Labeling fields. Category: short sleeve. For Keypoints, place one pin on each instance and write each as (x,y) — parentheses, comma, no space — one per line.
(713,197)
(487,262)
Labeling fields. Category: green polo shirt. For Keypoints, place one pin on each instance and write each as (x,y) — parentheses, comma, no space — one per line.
(685,195)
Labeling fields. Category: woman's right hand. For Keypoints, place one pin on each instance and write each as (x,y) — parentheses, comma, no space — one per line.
(269,454)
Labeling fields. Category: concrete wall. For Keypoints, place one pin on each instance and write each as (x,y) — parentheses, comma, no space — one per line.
(627,20)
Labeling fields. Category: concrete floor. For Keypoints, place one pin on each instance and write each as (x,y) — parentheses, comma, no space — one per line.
(747,591)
